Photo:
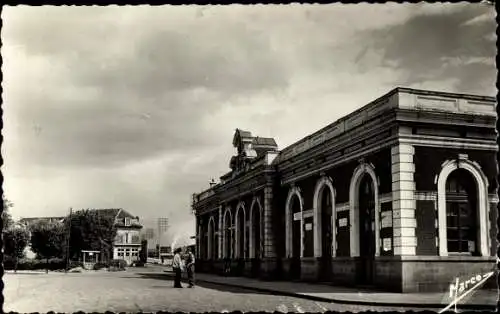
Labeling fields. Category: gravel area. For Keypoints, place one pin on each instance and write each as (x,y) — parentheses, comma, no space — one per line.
(142,289)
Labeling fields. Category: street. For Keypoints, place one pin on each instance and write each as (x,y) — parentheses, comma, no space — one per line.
(146,290)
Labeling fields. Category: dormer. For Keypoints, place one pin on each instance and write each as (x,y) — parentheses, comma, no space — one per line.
(242,140)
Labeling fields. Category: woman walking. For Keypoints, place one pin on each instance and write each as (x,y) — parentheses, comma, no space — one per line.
(177,267)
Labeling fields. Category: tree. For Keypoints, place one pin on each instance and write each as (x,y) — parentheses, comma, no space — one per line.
(6,217)
(15,240)
(48,239)
(91,230)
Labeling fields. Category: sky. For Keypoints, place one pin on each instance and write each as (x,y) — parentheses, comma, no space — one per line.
(136,107)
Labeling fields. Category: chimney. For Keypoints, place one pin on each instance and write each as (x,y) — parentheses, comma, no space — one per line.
(212,183)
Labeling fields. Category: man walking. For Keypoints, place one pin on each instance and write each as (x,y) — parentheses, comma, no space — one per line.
(177,267)
(190,267)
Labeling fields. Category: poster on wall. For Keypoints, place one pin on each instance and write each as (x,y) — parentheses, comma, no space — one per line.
(342,222)
(297,216)
(386,221)
(387,244)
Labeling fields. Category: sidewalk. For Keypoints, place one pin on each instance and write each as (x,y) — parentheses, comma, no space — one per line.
(478,300)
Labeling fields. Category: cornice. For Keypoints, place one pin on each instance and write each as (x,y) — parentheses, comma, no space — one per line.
(334,145)
(340,160)
(445,118)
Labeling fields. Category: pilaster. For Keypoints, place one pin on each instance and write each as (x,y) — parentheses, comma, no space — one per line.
(403,204)
(198,238)
(219,238)
(269,245)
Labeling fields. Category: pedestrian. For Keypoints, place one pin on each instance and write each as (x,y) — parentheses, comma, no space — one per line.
(190,267)
(177,267)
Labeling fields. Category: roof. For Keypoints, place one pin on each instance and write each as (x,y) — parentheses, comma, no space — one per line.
(33,219)
(125,214)
(113,213)
(108,212)
(239,134)
(268,141)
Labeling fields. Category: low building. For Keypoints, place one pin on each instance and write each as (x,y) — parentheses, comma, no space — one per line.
(32,220)
(127,244)
(400,194)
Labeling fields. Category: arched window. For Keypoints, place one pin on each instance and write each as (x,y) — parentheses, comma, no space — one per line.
(240,232)
(296,227)
(461,213)
(367,216)
(227,235)
(326,222)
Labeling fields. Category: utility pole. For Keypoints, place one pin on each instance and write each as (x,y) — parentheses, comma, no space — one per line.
(67,239)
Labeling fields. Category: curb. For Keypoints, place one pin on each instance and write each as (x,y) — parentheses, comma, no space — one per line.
(482,307)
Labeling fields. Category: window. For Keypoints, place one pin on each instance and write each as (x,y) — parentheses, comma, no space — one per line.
(127,221)
(126,237)
(461,213)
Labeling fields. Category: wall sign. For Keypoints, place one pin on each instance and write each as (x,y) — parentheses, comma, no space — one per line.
(308,213)
(297,216)
(342,222)
(387,244)
(309,226)
(386,221)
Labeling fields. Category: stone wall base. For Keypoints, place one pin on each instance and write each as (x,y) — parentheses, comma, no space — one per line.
(309,269)
(403,274)
(437,273)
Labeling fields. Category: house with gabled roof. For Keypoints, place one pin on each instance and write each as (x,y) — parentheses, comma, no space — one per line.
(127,242)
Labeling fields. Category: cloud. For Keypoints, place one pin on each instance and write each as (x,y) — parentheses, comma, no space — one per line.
(420,47)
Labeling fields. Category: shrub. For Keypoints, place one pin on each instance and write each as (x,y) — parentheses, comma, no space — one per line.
(75,264)
(34,264)
(9,262)
(118,263)
(100,265)
(139,264)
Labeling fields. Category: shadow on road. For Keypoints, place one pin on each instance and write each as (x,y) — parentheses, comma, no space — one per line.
(219,287)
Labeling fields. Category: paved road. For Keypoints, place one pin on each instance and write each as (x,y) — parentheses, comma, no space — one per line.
(143,289)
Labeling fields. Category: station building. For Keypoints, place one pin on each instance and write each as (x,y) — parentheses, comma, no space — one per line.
(399,195)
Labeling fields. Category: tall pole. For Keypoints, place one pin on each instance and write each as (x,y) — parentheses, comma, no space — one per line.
(67,238)
(159,239)
(162,226)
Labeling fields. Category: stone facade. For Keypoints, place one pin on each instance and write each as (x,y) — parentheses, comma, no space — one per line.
(400,194)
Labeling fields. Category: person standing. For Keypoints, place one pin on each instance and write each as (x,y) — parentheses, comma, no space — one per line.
(177,267)
(190,267)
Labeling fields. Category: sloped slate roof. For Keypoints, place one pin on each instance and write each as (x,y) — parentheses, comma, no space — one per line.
(33,219)
(268,141)
(108,212)
(126,214)
(239,134)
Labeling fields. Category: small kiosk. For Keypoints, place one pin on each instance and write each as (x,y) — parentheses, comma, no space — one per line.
(90,258)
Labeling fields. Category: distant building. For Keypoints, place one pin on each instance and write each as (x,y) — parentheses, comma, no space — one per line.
(29,222)
(399,194)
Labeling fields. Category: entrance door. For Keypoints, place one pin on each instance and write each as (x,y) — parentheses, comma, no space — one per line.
(326,235)
(256,241)
(296,239)
(461,213)
(366,230)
